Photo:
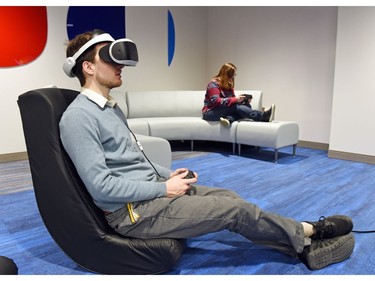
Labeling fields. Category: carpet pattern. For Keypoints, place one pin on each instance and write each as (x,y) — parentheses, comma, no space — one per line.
(15,177)
(302,187)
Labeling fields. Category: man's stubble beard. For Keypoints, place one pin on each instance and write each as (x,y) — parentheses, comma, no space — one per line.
(108,83)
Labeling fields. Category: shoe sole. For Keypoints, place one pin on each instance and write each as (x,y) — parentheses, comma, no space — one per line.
(224,122)
(272,116)
(339,251)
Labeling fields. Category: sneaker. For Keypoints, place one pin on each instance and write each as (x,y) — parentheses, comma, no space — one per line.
(322,253)
(272,117)
(331,226)
(266,115)
(269,114)
(224,121)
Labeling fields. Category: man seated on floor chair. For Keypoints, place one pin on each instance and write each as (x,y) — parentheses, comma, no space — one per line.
(141,199)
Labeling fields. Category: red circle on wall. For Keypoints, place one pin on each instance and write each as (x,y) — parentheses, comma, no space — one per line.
(23,34)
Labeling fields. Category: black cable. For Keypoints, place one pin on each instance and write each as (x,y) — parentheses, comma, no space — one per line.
(141,149)
(363,231)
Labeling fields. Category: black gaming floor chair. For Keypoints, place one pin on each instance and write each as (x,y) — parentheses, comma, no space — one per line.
(8,266)
(68,212)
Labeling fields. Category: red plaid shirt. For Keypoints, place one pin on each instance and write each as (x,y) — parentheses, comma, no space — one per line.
(216,97)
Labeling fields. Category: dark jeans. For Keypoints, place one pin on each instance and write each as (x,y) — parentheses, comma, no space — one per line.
(233,113)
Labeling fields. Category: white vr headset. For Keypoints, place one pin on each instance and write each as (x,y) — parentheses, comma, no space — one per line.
(121,51)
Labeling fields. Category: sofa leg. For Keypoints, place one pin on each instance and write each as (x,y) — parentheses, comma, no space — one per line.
(239,149)
(276,154)
(233,148)
(192,145)
(294,149)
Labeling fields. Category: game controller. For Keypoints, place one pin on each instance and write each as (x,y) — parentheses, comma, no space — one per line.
(247,97)
(190,175)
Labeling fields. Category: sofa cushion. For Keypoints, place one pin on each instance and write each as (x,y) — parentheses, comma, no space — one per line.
(121,100)
(173,128)
(191,128)
(145,104)
(158,150)
(214,131)
(274,134)
(164,103)
(139,126)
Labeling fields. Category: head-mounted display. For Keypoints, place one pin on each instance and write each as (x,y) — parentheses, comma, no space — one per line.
(121,51)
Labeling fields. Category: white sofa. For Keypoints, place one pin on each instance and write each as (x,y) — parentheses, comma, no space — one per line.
(176,115)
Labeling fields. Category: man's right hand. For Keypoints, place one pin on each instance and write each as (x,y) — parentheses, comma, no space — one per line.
(178,186)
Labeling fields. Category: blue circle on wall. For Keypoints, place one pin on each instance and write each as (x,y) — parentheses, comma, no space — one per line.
(81,19)
(107,18)
(171,38)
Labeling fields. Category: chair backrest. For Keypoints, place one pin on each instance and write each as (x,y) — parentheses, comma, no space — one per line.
(67,209)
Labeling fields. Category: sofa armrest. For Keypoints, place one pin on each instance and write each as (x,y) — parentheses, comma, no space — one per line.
(121,101)
(158,150)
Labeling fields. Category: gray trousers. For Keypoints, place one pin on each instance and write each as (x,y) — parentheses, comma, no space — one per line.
(209,210)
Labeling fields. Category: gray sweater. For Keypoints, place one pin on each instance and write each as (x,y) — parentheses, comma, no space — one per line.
(107,159)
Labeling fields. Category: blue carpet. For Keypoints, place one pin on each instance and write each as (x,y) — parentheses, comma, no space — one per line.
(302,187)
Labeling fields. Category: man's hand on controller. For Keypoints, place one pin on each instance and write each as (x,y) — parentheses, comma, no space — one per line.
(178,183)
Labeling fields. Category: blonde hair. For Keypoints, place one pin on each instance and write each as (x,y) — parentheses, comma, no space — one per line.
(225,77)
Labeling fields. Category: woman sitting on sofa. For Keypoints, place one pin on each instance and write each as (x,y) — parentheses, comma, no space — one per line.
(221,104)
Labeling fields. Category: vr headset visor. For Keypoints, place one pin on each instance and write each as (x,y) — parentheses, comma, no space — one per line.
(121,51)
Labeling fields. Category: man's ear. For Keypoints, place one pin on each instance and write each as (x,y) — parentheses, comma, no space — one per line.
(88,67)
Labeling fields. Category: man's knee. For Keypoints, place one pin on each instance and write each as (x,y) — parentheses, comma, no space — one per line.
(215,191)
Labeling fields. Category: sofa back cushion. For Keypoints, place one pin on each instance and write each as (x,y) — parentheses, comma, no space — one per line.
(120,97)
(164,103)
(141,104)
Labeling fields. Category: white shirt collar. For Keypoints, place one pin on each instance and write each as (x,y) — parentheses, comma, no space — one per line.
(98,99)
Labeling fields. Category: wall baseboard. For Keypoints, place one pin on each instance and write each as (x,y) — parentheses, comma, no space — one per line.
(351,156)
(313,145)
(338,154)
(13,157)
(307,144)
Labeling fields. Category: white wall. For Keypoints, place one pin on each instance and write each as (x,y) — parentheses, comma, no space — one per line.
(45,70)
(353,111)
(147,26)
(287,52)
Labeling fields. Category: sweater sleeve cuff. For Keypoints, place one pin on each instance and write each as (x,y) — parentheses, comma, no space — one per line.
(161,189)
